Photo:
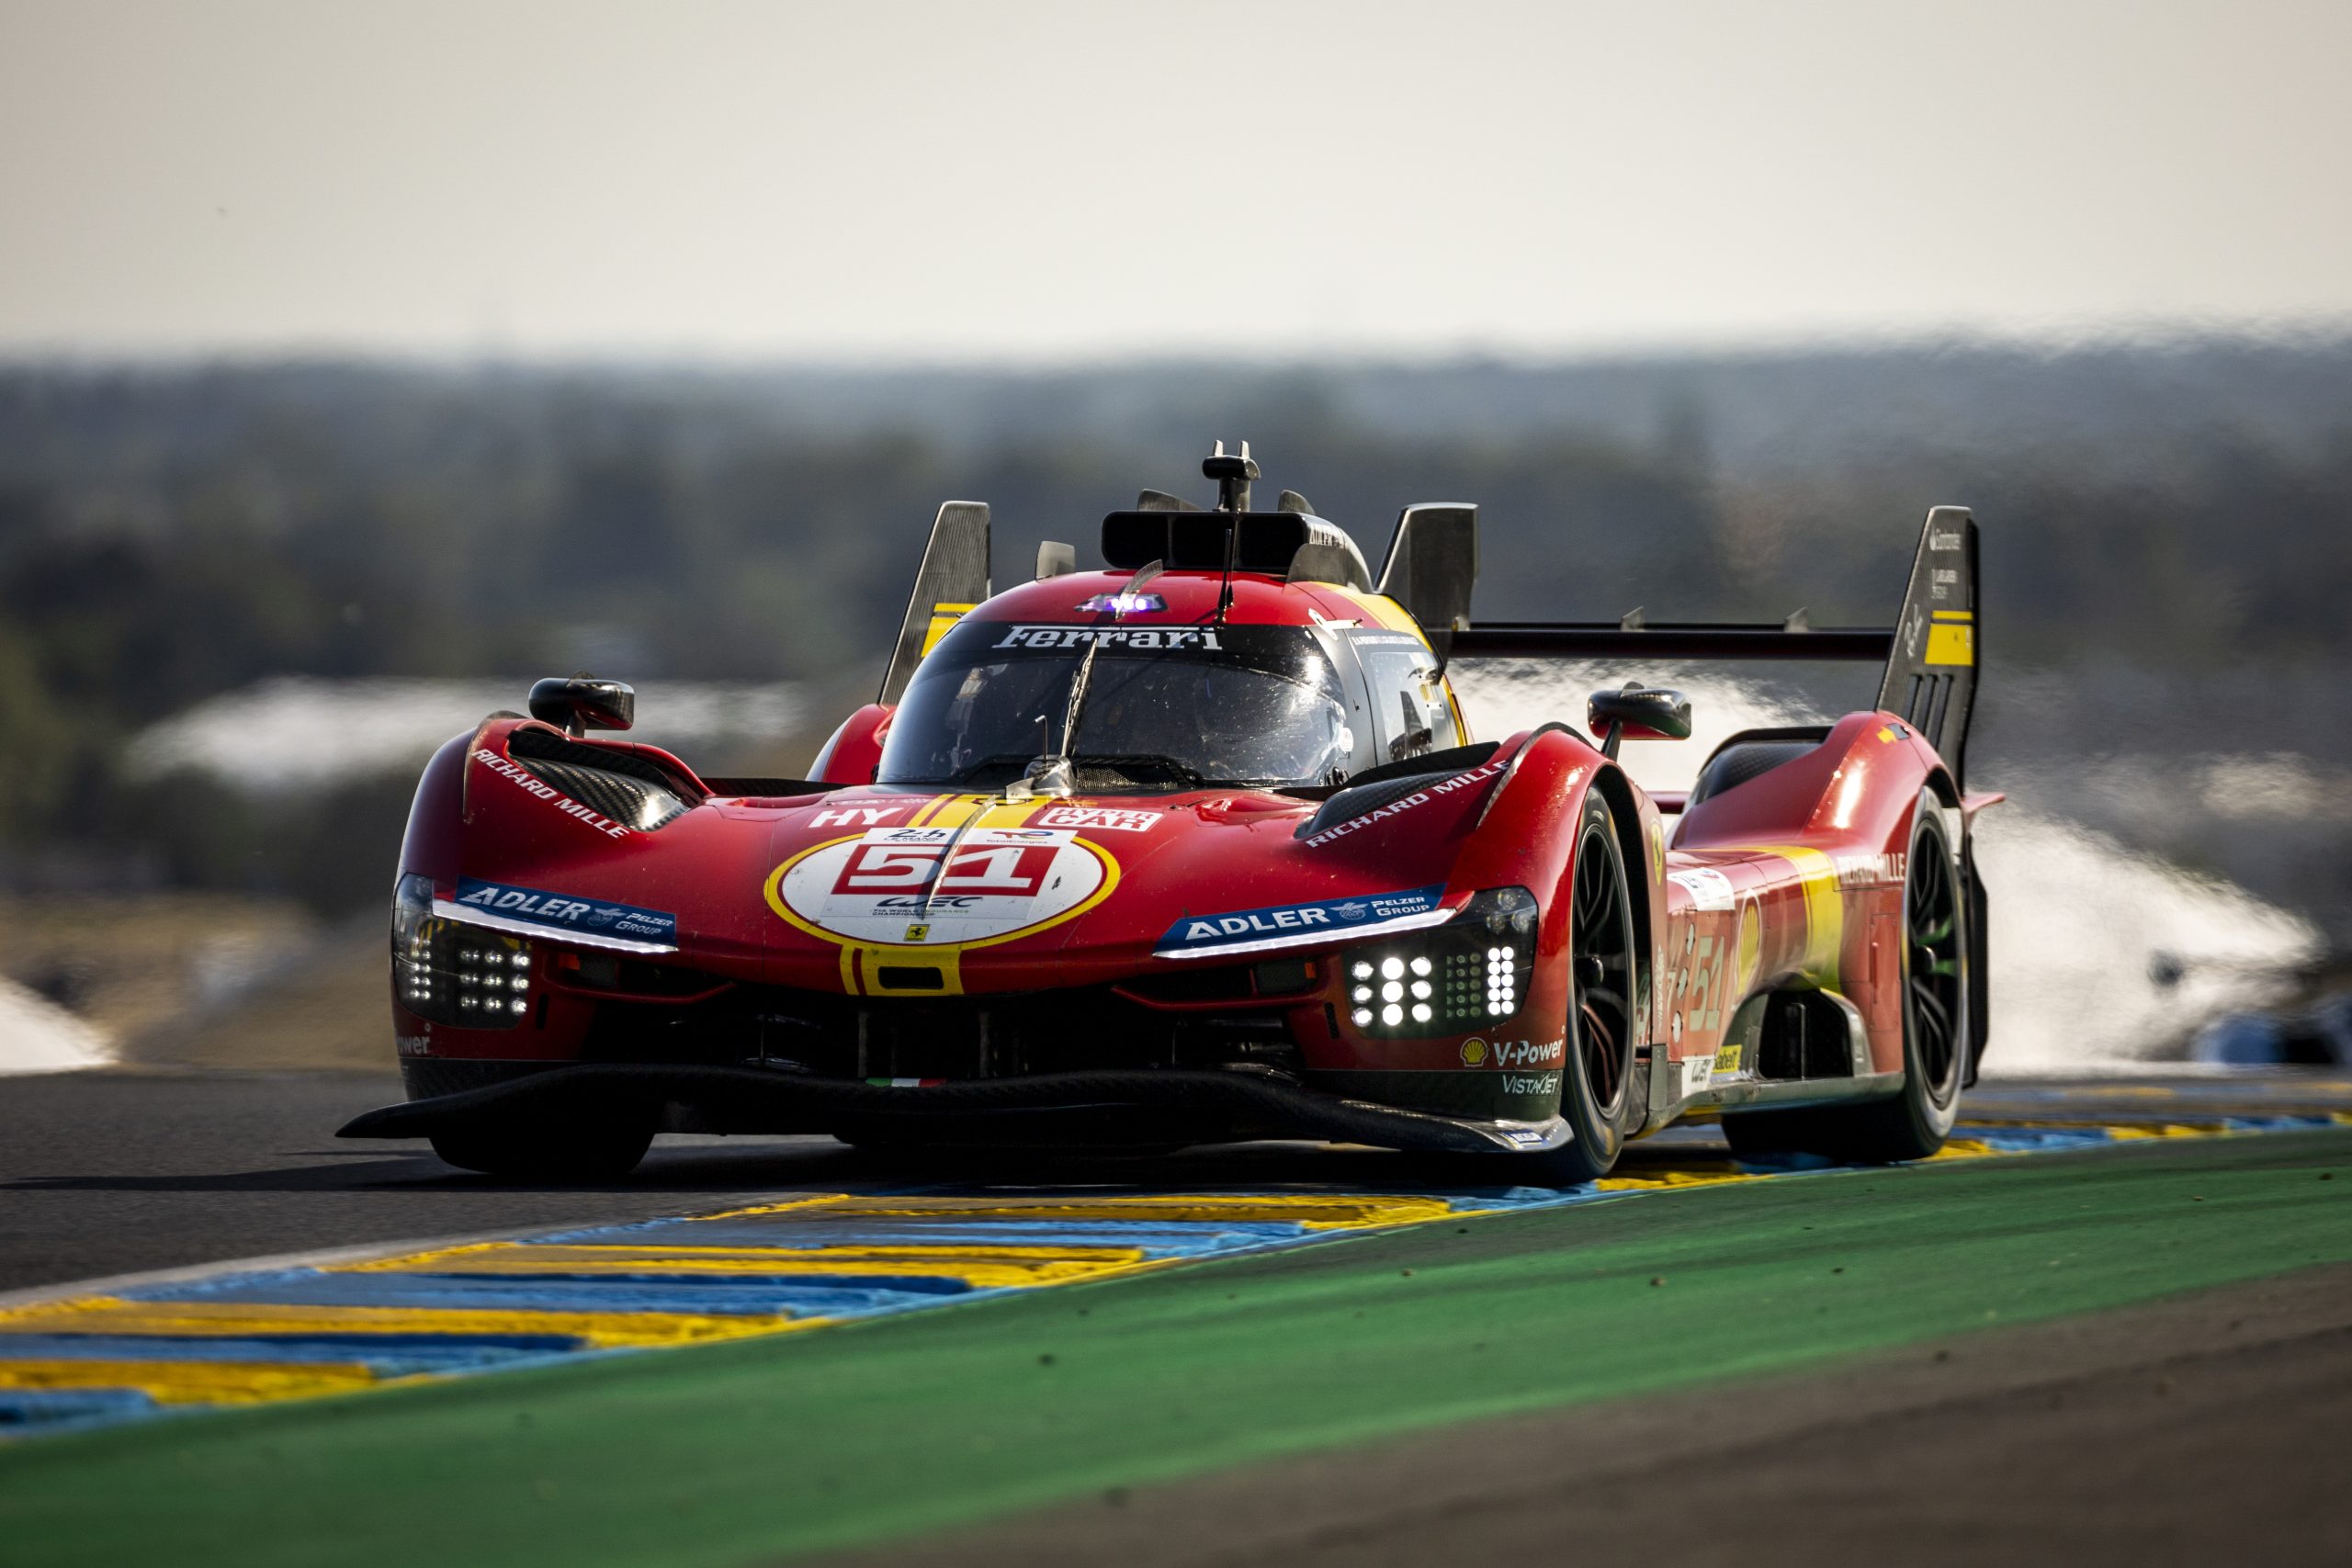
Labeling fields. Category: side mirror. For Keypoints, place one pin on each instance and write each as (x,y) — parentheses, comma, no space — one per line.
(1637,713)
(581,702)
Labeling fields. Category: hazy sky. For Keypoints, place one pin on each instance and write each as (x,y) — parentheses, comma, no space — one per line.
(1031,180)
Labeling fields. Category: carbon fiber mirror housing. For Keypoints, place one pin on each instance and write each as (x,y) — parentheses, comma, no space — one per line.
(578,704)
(1637,713)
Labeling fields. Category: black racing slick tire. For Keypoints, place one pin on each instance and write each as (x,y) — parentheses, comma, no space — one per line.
(1597,1089)
(593,1150)
(1937,1038)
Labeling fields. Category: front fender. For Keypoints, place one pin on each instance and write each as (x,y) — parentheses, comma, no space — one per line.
(430,845)
(852,755)
(1526,838)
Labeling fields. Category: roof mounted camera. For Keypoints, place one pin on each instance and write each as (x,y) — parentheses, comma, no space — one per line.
(1232,475)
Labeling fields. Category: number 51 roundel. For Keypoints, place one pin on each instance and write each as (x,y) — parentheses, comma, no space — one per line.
(925,886)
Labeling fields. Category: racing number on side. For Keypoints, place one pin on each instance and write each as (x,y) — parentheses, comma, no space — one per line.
(1009,870)
(1704,1008)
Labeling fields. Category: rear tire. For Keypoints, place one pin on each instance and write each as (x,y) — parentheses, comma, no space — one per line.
(1937,1002)
(1597,1097)
(598,1150)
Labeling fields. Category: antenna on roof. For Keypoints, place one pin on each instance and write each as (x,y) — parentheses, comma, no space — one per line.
(1232,476)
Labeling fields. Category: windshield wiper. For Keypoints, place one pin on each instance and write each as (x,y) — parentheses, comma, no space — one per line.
(1014,760)
(1130,763)
(1054,772)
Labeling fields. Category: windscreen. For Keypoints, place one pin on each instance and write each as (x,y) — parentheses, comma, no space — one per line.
(1166,707)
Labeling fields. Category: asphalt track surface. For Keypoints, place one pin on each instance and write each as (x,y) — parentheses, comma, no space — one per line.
(2142,1352)
(105,1174)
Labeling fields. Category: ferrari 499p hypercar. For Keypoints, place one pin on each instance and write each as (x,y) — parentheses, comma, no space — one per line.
(1199,847)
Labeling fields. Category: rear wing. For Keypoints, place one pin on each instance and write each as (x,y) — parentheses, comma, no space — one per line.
(1929,654)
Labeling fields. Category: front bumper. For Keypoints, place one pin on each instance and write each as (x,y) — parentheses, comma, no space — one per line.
(1079,1111)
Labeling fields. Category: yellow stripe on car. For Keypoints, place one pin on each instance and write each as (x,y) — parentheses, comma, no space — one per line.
(1825,913)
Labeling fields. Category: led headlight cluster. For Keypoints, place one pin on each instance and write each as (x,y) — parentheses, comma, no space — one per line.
(454,972)
(1390,988)
(1469,974)
(1502,982)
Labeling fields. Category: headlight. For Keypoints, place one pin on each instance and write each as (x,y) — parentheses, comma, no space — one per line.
(454,972)
(1468,973)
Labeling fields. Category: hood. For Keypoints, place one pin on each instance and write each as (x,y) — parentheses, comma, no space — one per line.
(971,892)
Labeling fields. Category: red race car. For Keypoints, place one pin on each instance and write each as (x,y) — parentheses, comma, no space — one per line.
(1199,847)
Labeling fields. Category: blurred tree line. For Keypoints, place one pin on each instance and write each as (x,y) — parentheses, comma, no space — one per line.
(166,536)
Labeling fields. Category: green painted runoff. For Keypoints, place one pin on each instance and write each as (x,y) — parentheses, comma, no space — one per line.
(744,1453)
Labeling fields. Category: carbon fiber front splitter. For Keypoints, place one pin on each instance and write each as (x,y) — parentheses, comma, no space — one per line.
(1077,1110)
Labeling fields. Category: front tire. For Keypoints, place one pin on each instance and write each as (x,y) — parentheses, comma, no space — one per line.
(1596,1098)
(1936,977)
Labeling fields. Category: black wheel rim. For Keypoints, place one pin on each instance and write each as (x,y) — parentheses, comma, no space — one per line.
(1600,946)
(1933,985)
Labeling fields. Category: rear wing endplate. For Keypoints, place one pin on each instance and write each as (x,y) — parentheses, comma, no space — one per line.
(953,578)
(1928,655)
(1432,566)
(1931,671)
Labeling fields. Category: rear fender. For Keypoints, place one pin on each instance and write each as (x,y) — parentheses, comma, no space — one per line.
(1847,808)
(1854,794)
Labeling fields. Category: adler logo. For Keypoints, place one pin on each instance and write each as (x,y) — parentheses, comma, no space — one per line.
(1285,925)
(558,912)
(1254,924)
